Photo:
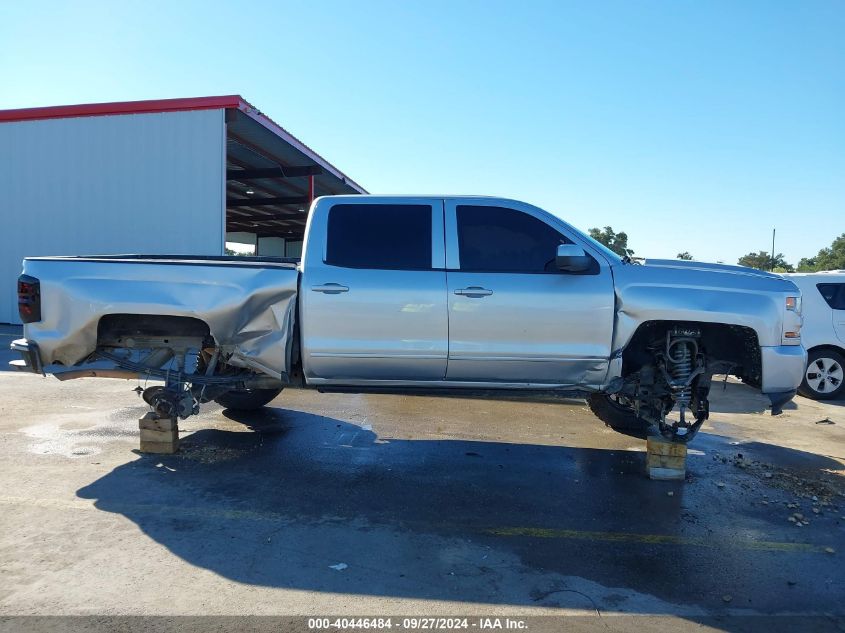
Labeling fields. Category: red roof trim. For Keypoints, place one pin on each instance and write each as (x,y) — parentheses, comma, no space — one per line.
(123,107)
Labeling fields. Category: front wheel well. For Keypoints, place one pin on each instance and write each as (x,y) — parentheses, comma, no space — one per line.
(729,348)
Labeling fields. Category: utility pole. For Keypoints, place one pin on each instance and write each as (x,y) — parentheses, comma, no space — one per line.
(773,250)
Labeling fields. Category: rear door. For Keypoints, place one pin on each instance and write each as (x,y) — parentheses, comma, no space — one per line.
(373,292)
(513,316)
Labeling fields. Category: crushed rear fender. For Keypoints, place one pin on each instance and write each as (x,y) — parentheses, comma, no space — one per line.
(249,307)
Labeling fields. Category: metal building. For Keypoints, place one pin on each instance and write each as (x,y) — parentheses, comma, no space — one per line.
(174,176)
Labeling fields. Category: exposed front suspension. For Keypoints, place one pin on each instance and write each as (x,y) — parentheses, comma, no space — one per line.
(679,377)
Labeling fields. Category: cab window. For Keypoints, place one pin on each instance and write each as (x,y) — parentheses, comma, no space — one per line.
(498,239)
(379,236)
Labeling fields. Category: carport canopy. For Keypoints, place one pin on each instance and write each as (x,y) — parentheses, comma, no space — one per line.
(272,177)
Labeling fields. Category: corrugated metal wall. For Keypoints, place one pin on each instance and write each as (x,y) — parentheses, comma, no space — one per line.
(140,183)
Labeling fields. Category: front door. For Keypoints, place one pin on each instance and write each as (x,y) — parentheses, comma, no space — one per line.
(513,316)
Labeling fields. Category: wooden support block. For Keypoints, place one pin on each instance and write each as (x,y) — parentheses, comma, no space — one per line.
(665,459)
(158,435)
(662,461)
(148,435)
(166,448)
(153,423)
(659,445)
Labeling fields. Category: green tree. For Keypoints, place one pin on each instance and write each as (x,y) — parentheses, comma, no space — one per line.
(617,242)
(807,265)
(831,258)
(685,255)
(763,261)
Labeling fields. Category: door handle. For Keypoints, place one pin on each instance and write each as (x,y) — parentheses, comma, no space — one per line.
(474,291)
(330,289)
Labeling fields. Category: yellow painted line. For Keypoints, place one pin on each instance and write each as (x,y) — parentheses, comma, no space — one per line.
(655,539)
(546,533)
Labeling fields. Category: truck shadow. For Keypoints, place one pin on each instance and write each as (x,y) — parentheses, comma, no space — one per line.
(456,520)
(735,397)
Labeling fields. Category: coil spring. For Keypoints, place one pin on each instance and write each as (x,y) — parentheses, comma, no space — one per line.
(681,361)
(681,369)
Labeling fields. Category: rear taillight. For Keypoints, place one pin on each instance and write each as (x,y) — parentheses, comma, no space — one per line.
(29,299)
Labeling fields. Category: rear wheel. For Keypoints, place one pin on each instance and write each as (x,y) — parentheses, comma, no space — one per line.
(824,378)
(616,413)
(247,399)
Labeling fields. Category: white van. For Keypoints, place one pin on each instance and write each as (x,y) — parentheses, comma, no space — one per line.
(823,333)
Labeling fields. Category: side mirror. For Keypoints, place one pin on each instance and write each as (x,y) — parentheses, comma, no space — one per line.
(572,258)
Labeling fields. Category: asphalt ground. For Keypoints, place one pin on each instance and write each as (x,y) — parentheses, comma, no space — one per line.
(388,505)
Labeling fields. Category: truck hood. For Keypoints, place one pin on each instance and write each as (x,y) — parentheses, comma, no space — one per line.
(699,276)
(704,266)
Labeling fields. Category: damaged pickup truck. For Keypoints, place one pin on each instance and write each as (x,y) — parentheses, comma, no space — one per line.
(413,294)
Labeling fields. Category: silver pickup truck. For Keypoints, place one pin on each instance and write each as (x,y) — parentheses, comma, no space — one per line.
(407,294)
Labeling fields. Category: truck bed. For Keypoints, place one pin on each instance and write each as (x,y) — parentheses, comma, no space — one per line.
(248,303)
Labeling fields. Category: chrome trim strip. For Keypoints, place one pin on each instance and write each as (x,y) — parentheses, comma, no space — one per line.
(453,260)
(438,247)
(340,382)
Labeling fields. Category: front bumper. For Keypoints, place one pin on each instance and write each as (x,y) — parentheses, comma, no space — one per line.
(30,356)
(783,371)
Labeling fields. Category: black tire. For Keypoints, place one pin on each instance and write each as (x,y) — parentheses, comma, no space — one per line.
(828,367)
(616,415)
(248,399)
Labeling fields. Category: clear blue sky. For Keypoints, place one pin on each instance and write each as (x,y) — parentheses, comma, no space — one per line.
(691,125)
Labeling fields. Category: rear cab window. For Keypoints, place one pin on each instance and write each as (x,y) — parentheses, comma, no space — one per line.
(380,236)
(833,294)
